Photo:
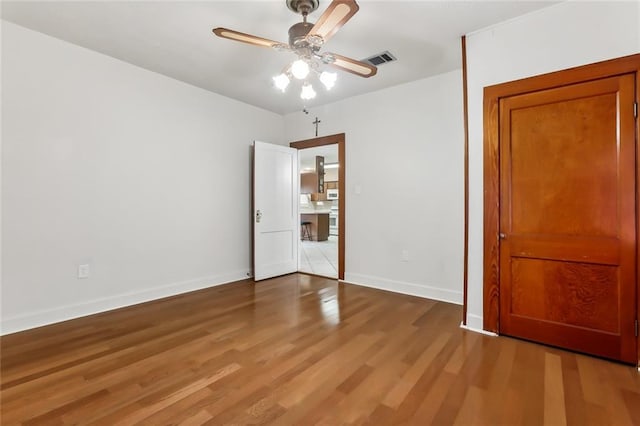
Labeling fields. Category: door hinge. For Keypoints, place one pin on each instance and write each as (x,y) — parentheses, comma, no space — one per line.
(635,109)
(636,328)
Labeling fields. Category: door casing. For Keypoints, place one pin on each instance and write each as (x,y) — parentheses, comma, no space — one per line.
(492,96)
(338,139)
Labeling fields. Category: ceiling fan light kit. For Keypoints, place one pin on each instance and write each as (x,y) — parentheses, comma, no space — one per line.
(300,69)
(328,79)
(281,82)
(305,41)
(307,92)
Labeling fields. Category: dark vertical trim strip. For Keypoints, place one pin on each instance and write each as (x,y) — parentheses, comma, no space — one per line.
(465,106)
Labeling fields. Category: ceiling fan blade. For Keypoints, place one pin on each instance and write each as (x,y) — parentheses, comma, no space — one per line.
(336,15)
(354,67)
(245,38)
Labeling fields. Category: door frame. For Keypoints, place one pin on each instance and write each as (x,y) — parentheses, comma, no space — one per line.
(492,94)
(338,139)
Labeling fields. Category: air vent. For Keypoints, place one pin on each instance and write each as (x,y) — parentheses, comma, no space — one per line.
(381,58)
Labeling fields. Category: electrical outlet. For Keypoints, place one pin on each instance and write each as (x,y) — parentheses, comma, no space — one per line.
(83,271)
(405,255)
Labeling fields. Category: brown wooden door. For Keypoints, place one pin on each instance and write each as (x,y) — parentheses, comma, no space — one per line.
(568,217)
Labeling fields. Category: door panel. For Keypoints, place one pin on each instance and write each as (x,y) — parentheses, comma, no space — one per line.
(550,166)
(276,224)
(568,218)
(579,294)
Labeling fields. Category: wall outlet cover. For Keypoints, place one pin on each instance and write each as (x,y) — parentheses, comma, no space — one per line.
(83,271)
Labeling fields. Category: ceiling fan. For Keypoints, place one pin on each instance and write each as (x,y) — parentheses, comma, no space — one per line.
(306,40)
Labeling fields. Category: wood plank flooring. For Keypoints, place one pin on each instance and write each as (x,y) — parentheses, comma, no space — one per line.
(300,350)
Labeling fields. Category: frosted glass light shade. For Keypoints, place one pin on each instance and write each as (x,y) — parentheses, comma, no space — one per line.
(307,92)
(281,82)
(300,69)
(328,79)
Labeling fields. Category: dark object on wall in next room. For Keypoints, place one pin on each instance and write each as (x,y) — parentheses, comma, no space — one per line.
(320,172)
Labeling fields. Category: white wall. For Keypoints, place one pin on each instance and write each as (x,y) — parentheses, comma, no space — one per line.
(331,175)
(561,36)
(144,178)
(404,151)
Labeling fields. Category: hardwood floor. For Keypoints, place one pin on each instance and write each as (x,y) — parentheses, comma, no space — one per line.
(300,350)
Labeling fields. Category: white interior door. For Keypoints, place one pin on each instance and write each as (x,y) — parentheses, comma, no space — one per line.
(276,227)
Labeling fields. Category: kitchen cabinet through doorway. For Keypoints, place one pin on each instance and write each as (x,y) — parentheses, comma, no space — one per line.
(319,225)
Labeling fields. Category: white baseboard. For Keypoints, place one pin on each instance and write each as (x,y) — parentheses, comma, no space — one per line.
(474,322)
(425,291)
(478,330)
(64,313)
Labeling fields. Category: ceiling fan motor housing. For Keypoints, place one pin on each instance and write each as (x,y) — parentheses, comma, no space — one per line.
(298,33)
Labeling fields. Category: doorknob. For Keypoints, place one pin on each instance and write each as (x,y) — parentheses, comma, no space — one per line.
(258,216)
(502,236)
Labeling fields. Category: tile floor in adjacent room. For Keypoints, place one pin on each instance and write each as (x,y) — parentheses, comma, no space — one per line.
(320,257)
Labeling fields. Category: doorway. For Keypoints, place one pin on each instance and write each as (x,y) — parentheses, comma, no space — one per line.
(561,209)
(319,209)
(322,205)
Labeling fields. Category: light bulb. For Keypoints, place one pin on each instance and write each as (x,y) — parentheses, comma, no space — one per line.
(300,69)
(307,92)
(281,81)
(328,79)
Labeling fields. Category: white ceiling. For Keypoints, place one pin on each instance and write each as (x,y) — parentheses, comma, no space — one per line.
(175,39)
